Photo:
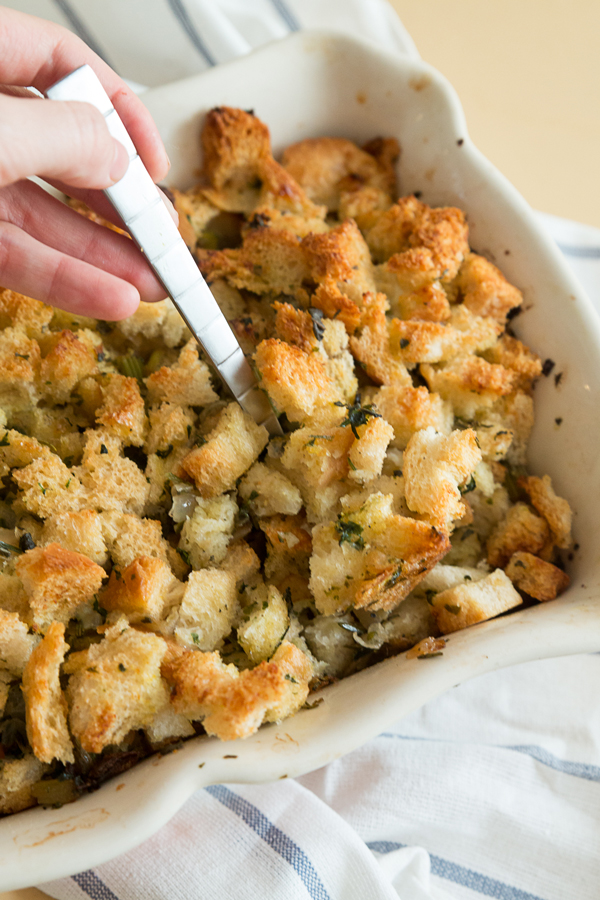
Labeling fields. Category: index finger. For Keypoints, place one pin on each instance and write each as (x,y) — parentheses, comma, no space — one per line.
(36,52)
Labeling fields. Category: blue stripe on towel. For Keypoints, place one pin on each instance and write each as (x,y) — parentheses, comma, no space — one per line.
(286,14)
(91,885)
(274,837)
(475,881)
(577,770)
(181,14)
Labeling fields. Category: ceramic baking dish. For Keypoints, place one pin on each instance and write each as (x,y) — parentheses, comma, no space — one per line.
(319,84)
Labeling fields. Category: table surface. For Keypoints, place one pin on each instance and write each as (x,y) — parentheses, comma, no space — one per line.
(528,75)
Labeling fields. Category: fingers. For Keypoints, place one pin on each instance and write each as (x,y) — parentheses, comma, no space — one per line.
(33,269)
(47,220)
(36,52)
(68,141)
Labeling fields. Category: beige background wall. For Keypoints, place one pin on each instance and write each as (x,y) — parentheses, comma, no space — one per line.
(528,75)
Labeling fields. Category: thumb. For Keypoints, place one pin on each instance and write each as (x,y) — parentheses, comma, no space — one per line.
(68,141)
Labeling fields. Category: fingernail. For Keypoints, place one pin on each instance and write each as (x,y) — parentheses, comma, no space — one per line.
(172,211)
(120,162)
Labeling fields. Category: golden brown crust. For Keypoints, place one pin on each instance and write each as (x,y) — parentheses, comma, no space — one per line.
(67,360)
(485,290)
(296,382)
(520,530)
(45,704)
(57,581)
(512,354)
(555,510)
(536,577)
(186,383)
(467,604)
(140,590)
(123,412)
(373,349)
(23,312)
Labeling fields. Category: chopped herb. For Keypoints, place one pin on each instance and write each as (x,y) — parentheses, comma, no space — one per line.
(200,441)
(68,483)
(184,554)
(92,669)
(100,355)
(317,322)
(429,595)
(9,548)
(318,437)
(469,486)
(350,532)
(162,454)
(5,441)
(452,609)
(122,668)
(103,449)
(397,473)
(520,564)
(547,367)
(22,355)
(430,655)
(358,415)
(404,342)
(314,705)
(393,579)
(351,464)
(195,638)
(291,678)
(26,542)
(42,488)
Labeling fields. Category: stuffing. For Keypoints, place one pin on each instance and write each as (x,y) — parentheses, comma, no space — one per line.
(13,599)
(372,347)
(45,703)
(47,487)
(434,467)
(297,671)
(470,383)
(16,644)
(207,532)
(19,369)
(521,529)
(324,167)
(128,537)
(122,412)
(209,607)
(241,561)
(485,290)
(18,311)
(265,623)
(17,778)
(140,591)
(110,480)
(229,449)
(66,362)
(341,258)
(296,382)
(330,300)
(366,455)
(186,383)
(57,581)
(268,492)
(231,703)
(117,689)
(195,214)
(170,425)
(410,409)
(371,558)
(536,577)
(80,531)
(555,510)
(466,604)
(512,354)
(288,546)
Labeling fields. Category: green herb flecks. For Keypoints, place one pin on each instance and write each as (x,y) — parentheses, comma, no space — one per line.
(358,415)
(350,532)
(317,322)
(468,487)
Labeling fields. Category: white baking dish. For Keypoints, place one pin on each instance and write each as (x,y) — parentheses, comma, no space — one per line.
(309,85)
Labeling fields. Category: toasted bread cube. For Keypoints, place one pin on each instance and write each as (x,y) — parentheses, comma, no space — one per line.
(57,581)
(230,449)
(118,689)
(485,290)
(521,529)
(371,558)
(297,383)
(241,561)
(23,312)
(16,644)
(110,479)
(324,166)
(17,778)
(67,360)
(341,256)
(373,348)
(266,622)
(170,425)
(152,321)
(168,725)
(18,450)
(268,492)
(332,302)
(410,409)
(554,509)
(367,453)
(80,531)
(317,456)
(206,534)
(231,704)
(45,704)
(140,590)
(536,577)
(289,546)
(13,597)
(122,412)
(414,341)
(49,487)
(434,466)
(209,607)
(187,383)
(467,604)
(19,367)
(470,383)
(512,354)
(297,671)
(331,643)
(442,577)
(128,537)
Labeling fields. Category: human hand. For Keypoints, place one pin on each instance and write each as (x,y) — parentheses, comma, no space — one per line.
(47,250)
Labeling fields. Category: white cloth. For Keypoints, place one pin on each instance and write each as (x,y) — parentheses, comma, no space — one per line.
(490,790)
